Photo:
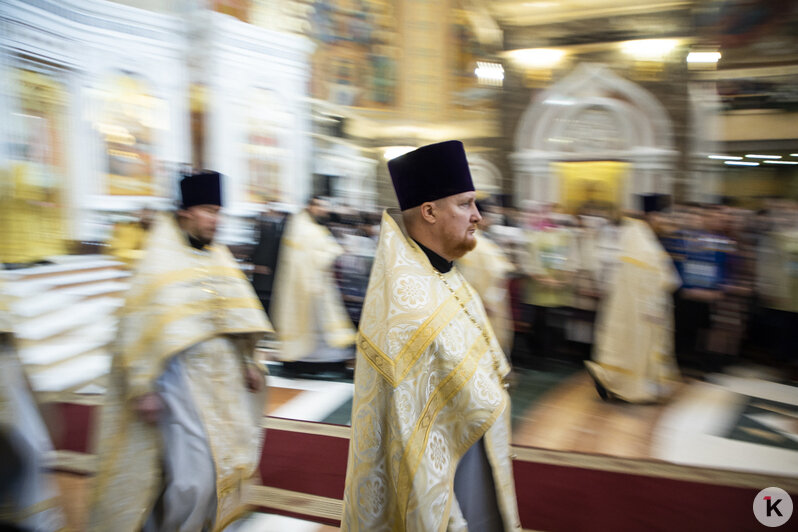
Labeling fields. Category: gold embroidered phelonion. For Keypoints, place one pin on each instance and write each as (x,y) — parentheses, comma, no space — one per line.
(473,320)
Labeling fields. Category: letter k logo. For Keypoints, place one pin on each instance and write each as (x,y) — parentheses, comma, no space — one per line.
(773,507)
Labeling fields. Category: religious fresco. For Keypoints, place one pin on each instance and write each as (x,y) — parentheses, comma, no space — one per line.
(269,124)
(32,199)
(126,116)
(356,58)
(465,50)
(752,33)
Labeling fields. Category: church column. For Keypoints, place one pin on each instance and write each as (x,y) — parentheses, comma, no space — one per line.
(425,74)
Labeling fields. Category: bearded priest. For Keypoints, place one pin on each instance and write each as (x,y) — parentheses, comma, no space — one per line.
(430,443)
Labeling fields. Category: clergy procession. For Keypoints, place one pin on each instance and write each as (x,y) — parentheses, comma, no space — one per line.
(459,294)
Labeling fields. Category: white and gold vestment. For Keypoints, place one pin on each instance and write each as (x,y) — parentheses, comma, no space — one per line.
(487,270)
(198,307)
(308,312)
(633,354)
(428,386)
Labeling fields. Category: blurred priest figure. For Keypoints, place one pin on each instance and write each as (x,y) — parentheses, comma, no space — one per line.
(308,311)
(633,357)
(181,429)
(487,269)
(430,443)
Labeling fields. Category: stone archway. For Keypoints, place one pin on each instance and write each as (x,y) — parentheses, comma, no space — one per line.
(593,114)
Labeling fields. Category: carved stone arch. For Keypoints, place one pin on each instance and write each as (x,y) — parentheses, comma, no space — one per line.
(585,82)
(630,131)
(593,114)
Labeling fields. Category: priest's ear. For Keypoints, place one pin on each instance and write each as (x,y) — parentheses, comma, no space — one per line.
(428,211)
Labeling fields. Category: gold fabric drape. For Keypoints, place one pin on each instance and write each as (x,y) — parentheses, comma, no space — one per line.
(179,298)
(305,291)
(428,385)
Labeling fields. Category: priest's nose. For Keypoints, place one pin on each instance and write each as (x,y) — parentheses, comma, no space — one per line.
(476,217)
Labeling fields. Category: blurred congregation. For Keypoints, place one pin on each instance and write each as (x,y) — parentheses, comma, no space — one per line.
(635,172)
(551,269)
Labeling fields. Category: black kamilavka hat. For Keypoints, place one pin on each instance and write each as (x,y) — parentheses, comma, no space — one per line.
(654,202)
(429,173)
(203,187)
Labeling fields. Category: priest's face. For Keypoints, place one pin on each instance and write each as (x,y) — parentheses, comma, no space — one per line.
(459,217)
(200,221)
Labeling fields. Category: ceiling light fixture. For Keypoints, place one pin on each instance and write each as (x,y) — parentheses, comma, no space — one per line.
(757,156)
(703,57)
(726,157)
(536,57)
(489,73)
(740,163)
(649,49)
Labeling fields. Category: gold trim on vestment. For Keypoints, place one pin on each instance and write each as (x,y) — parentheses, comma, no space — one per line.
(417,442)
(307,307)
(235,516)
(427,390)
(637,262)
(185,275)
(225,488)
(189,310)
(17,516)
(395,370)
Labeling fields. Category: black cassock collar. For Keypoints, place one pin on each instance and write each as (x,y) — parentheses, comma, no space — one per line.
(438,262)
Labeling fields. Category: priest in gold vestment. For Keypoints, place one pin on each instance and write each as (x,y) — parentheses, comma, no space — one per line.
(430,443)
(180,433)
(308,312)
(633,356)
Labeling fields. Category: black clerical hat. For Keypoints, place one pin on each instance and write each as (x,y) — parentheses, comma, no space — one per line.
(429,173)
(203,187)
(654,202)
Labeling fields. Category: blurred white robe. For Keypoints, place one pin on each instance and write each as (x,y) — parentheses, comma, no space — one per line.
(487,270)
(633,354)
(308,311)
(188,329)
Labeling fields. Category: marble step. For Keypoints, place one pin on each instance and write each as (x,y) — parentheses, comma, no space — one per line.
(79,370)
(43,303)
(66,319)
(48,354)
(108,288)
(94,262)
(31,287)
